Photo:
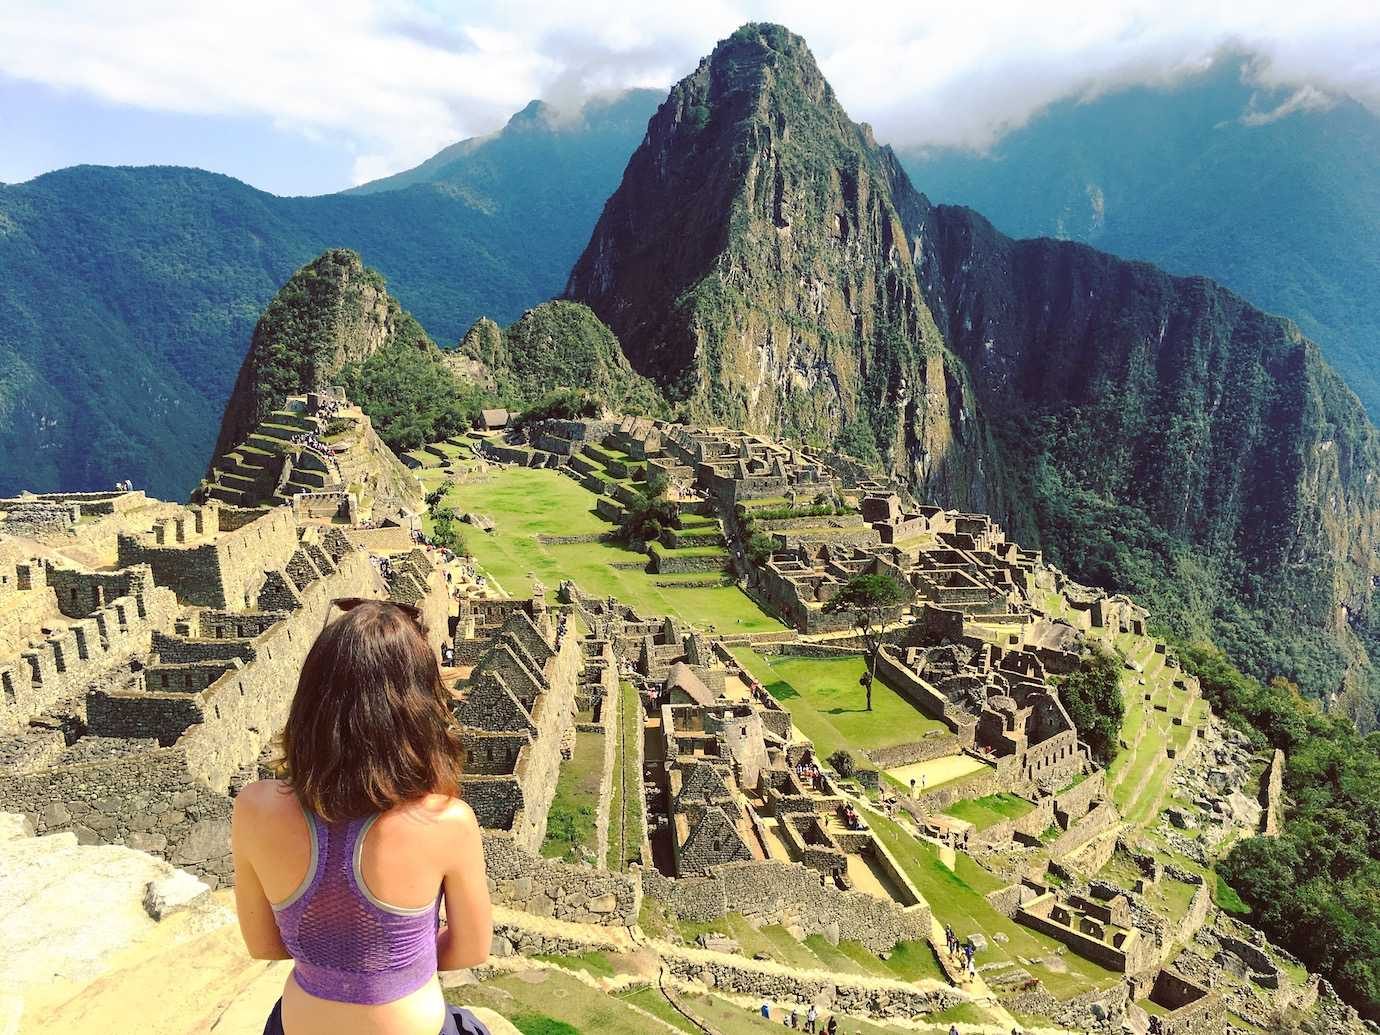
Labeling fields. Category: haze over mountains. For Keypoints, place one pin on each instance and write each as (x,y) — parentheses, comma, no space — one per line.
(144,283)
(1276,193)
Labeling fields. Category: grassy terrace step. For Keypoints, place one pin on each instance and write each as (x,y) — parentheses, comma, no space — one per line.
(991,810)
(957,898)
(266,443)
(226,494)
(691,551)
(282,432)
(527,502)
(242,482)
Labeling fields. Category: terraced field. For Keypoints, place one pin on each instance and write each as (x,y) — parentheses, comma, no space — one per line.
(829,706)
(527,502)
(956,897)
(1138,777)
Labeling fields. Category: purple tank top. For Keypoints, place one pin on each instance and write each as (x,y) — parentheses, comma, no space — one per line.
(350,947)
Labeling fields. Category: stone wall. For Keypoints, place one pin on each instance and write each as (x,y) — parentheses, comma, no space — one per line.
(732,975)
(222,572)
(146,800)
(937,745)
(542,758)
(777,892)
(934,704)
(1102,818)
(1032,824)
(239,713)
(565,891)
(82,652)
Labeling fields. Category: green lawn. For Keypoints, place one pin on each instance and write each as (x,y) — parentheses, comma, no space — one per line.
(625,815)
(570,823)
(525,502)
(991,810)
(826,702)
(550,1002)
(956,897)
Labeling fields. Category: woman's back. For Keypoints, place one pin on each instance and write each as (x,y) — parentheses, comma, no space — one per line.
(344,865)
(352,907)
(350,945)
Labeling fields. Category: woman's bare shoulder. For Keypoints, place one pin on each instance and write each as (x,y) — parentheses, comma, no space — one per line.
(446,813)
(263,797)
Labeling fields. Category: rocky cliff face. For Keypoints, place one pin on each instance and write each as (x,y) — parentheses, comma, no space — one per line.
(1212,437)
(754,264)
(331,313)
(771,266)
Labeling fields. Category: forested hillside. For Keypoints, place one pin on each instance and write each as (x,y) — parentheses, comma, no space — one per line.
(129,295)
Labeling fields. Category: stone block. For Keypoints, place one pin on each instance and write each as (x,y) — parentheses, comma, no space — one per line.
(14,825)
(603,904)
(147,842)
(56,815)
(169,894)
(207,841)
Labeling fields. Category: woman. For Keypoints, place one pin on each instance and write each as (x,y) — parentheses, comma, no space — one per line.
(342,866)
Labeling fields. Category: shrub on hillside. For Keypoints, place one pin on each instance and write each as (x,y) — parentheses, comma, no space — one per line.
(1092,697)
(562,404)
(843,763)
(410,396)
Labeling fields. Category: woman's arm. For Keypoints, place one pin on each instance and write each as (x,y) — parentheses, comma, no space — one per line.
(258,926)
(469,931)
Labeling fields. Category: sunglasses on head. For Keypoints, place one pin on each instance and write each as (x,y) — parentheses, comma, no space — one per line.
(350,603)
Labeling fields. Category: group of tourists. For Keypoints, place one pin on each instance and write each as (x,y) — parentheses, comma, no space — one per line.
(806,1019)
(850,817)
(314,442)
(809,773)
(962,948)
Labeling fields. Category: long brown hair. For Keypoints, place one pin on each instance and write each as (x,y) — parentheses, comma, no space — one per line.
(370,725)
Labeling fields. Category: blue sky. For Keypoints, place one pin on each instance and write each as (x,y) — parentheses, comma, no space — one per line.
(300,98)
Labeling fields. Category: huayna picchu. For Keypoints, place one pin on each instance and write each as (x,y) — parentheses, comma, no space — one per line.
(769,264)
(823,593)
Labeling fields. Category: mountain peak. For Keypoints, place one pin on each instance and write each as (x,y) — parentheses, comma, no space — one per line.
(754,261)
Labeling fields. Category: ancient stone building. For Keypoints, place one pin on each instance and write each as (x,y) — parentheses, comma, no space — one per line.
(134,699)
(517,715)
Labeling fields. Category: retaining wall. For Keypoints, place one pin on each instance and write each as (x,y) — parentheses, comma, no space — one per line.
(777,892)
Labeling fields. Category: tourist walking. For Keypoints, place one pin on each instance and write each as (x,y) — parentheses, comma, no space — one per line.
(344,865)
(811,1016)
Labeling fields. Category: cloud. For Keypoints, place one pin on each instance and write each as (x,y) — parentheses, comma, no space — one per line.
(1305,98)
(393,83)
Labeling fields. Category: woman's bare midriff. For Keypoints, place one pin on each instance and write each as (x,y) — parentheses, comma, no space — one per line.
(420,1013)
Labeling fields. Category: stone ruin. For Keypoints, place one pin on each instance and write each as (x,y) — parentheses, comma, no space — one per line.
(136,697)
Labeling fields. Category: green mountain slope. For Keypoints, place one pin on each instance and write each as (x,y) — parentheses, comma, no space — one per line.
(129,295)
(753,262)
(1174,442)
(555,345)
(1199,180)
(769,264)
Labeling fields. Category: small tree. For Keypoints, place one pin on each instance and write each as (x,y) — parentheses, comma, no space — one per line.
(869,598)
(1092,697)
(649,514)
(843,763)
(760,547)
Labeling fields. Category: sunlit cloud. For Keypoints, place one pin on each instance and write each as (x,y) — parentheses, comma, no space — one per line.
(393,83)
